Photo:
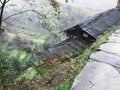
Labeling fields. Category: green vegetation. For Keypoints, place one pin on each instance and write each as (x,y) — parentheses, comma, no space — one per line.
(32,34)
(28,74)
(7,73)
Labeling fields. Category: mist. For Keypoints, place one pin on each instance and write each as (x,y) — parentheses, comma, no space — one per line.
(94,4)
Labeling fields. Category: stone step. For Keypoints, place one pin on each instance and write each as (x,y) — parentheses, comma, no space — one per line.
(97,76)
(117,31)
(115,35)
(106,58)
(113,48)
(114,39)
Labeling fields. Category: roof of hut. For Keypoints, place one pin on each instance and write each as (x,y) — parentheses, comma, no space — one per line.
(101,23)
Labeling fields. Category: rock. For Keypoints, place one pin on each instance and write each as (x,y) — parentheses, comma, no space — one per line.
(114,39)
(116,35)
(106,58)
(117,31)
(111,48)
(97,76)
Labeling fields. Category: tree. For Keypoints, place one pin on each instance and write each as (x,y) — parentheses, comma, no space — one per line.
(7,73)
(3,3)
(53,3)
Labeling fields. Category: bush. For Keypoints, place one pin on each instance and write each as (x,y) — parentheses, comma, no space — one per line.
(7,73)
(46,46)
(27,49)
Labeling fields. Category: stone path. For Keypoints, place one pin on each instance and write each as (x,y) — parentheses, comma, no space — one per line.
(102,72)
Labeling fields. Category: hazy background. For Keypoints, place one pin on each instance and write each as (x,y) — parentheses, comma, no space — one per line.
(95,4)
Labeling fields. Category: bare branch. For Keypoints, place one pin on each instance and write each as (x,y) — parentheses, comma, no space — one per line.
(24,5)
(0,7)
(1,2)
(23,12)
(7,1)
(16,14)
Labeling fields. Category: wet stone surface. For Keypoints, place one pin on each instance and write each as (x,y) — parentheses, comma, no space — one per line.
(115,35)
(114,39)
(106,58)
(117,31)
(113,48)
(97,76)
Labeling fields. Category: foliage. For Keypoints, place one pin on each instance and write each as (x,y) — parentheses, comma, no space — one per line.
(28,74)
(12,69)
(55,5)
(46,45)
(7,73)
(67,85)
(12,66)
(21,61)
(44,68)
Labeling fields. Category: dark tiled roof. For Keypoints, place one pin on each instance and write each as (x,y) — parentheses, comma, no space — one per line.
(96,26)
(102,22)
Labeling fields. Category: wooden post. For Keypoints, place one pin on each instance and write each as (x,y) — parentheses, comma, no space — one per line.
(118,4)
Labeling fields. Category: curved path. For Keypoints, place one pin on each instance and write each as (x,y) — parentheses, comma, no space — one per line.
(102,72)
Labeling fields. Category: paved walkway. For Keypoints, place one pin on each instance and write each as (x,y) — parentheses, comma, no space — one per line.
(102,72)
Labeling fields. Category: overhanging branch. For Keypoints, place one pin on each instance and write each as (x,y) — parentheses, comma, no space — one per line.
(1,2)
(23,12)
(16,14)
(7,1)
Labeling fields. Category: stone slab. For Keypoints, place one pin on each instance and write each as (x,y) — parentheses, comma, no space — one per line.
(111,48)
(106,58)
(116,35)
(117,31)
(97,76)
(114,39)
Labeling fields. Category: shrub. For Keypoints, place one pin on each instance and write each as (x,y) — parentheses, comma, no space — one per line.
(7,73)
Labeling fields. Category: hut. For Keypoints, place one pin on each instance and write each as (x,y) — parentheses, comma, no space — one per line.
(96,26)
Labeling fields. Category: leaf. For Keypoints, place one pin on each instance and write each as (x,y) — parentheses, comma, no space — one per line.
(36,64)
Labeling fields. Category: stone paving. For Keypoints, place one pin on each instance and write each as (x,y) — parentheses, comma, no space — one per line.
(102,72)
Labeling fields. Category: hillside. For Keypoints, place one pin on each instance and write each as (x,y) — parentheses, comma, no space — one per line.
(33,33)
